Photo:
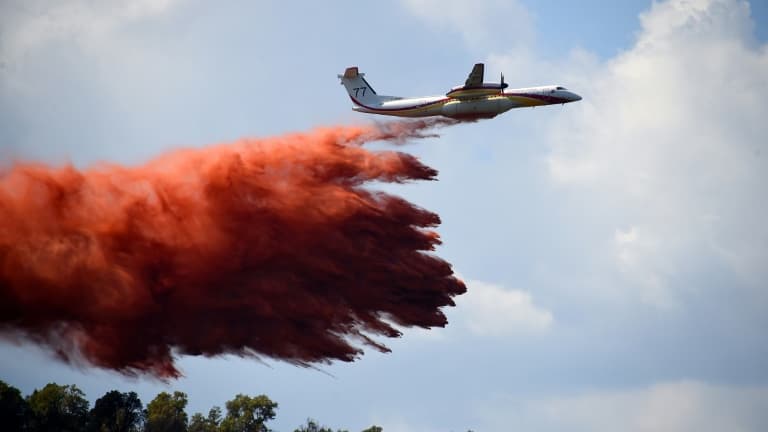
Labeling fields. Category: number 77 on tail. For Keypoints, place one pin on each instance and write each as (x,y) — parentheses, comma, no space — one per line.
(473,100)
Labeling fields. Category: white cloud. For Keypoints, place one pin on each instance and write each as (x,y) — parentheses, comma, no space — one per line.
(90,45)
(635,252)
(677,406)
(29,24)
(670,141)
(478,22)
(486,310)
(491,310)
(93,74)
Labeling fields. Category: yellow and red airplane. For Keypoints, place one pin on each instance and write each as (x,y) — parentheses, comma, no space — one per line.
(475,99)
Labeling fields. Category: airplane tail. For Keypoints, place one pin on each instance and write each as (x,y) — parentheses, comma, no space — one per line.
(358,88)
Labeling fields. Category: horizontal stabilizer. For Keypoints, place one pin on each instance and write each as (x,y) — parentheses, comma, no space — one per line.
(350,72)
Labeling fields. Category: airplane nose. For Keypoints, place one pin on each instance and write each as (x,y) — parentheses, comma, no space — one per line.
(575,97)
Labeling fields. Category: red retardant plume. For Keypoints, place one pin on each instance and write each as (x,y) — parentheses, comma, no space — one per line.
(262,247)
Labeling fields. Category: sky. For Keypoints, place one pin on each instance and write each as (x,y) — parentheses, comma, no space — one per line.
(614,249)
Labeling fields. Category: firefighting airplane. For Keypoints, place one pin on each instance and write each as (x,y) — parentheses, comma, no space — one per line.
(474,100)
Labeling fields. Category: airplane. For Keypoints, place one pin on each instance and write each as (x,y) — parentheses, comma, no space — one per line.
(473,100)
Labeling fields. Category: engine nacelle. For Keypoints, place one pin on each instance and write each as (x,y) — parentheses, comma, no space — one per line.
(484,89)
(478,108)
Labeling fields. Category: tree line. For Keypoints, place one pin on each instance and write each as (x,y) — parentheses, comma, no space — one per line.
(64,408)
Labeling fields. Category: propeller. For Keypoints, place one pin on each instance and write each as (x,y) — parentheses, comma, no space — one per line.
(503,85)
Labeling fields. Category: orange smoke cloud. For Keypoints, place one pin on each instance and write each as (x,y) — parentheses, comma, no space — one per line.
(265,247)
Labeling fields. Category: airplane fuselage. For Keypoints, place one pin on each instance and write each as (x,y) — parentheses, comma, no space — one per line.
(475,99)
(484,103)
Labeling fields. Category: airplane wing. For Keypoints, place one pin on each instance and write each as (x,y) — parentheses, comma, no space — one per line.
(475,78)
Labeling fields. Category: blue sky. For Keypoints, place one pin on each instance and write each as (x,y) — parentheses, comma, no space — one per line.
(614,248)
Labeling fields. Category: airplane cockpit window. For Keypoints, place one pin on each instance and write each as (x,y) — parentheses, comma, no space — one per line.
(561,88)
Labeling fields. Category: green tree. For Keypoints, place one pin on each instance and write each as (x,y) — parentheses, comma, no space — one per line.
(14,410)
(116,412)
(312,426)
(166,413)
(248,414)
(374,428)
(214,416)
(198,423)
(58,408)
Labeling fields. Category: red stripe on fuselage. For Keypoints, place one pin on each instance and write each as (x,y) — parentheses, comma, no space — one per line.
(357,102)
(544,98)
(541,97)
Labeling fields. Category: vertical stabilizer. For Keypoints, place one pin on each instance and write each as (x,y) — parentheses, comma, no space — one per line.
(358,88)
